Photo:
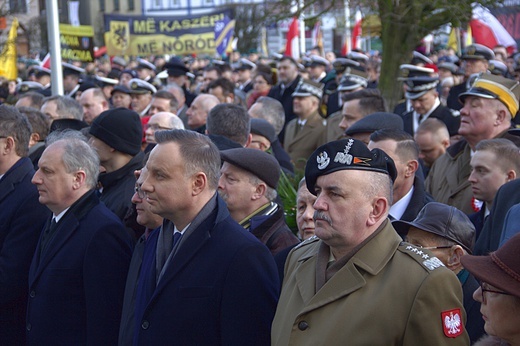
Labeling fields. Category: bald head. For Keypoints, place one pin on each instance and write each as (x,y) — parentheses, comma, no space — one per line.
(199,109)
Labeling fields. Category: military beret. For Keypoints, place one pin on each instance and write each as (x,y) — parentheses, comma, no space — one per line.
(376,121)
(443,220)
(27,86)
(308,87)
(479,52)
(346,154)
(490,86)
(263,128)
(139,86)
(256,162)
(142,63)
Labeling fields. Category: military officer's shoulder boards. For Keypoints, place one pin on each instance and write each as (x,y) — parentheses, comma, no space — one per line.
(425,258)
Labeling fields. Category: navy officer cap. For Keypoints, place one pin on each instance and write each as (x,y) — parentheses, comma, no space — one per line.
(139,86)
(478,52)
(256,162)
(346,154)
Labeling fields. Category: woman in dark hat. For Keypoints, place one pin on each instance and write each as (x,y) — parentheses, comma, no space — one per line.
(499,292)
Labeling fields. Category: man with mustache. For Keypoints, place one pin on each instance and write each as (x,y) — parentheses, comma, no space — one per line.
(356,282)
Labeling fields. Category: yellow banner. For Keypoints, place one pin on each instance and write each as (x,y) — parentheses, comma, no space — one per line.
(77,42)
(8,68)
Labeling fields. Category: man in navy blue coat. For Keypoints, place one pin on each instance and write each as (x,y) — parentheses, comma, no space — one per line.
(78,273)
(204,280)
(21,220)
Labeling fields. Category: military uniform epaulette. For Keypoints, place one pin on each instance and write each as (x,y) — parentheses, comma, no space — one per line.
(423,257)
(307,241)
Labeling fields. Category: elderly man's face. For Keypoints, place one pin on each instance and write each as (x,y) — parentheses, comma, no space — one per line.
(421,238)
(235,188)
(305,212)
(120,99)
(141,101)
(157,122)
(144,215)
(342,208)
(197,114)
(55,185)
(477,117)
(160,105)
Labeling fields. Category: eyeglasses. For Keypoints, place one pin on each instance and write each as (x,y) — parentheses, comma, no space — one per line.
(154,127)
(432,247)
(483,289)
(140,193)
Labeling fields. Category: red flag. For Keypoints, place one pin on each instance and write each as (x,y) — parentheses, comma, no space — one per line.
(344,48)
(356,32)
(47,61)
(291,46)
(487,30)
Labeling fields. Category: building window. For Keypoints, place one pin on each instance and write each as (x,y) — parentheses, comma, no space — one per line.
(131,5)
(209,2)
(18,6)
(116,5)
(102,5)
(175,3)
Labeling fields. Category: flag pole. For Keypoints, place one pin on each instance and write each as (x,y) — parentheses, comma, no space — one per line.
(54,46)
(347,26)
(301,5)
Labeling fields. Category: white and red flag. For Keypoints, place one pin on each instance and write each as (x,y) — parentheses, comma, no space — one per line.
(291,46)
(357,32)
(487,30)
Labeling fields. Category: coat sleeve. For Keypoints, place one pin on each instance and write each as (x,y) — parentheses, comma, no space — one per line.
(439,293)
(105,269)
(18,246)
(250,295)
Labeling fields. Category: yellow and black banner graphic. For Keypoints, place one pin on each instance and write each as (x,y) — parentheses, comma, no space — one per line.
(150,35)
(77,42)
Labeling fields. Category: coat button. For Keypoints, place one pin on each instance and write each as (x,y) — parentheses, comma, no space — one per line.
(28,327)
(303,325)
(32,294)
(145,324)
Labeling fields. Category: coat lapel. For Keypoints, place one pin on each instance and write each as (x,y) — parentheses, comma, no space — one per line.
(307,129)
(66,228)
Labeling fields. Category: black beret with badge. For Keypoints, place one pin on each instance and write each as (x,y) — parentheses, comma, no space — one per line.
(346,154)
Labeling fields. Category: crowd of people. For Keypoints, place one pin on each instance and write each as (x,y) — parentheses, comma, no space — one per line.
(143,206)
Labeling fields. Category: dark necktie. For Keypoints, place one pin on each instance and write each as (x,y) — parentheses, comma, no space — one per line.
(48,234)
(176,237)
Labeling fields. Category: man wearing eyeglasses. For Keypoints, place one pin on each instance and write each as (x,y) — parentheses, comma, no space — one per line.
(448,234)
(160,121)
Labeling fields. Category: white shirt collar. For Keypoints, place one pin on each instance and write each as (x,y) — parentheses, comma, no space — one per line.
(398,208)
(60,215)
(416,115)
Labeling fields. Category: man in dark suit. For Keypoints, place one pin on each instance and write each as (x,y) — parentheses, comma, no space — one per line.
(204,280)
(422,93)
(448,234)
(409,195)
(283,92)
(77,276)
(21,220)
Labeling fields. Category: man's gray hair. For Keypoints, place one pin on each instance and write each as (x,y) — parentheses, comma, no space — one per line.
(77,154)
(270,193)
(379,184)
(273,112)
(198,152)
(230,121)
(66,107)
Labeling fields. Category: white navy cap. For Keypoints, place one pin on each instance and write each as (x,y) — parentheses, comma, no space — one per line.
(139,86)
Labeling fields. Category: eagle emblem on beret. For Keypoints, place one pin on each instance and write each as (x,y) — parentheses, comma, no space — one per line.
(323,160)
